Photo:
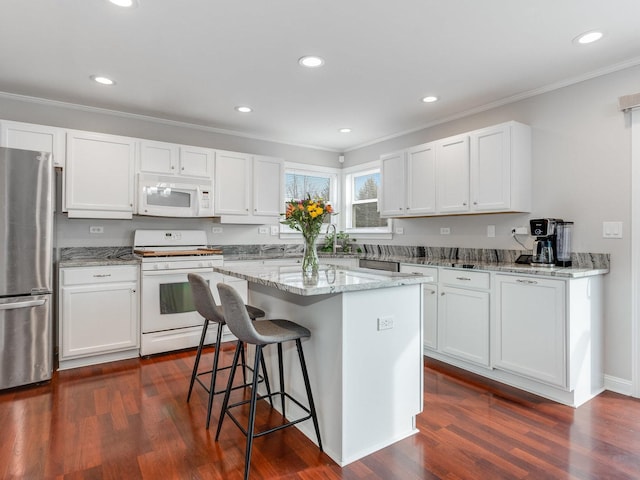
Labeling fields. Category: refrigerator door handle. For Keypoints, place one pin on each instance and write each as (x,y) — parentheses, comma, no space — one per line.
(25,304)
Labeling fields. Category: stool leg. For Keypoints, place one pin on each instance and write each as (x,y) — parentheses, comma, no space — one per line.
(214,373)
(198,354)
(252,413)
(266,379)
(243,361)
(281,373)
(227,392)
(307,385)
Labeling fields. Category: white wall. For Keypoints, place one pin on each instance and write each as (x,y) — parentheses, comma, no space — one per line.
(582,168)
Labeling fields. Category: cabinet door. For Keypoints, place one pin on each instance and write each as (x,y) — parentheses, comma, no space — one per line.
(196,161)
(393,193)
(40,138)
(530,328)
(158,157)
(463,324)
(232,179)
(452,157)
(490,160)
(99,175)
(421,180)
(98,319)
(430,316)
(268,186)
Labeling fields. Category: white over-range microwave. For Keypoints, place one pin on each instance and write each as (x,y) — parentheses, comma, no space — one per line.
(166,196)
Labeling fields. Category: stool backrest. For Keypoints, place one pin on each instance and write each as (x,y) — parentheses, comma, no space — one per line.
(235,313)
(203,298)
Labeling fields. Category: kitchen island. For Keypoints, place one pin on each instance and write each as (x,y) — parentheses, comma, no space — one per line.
(364,355)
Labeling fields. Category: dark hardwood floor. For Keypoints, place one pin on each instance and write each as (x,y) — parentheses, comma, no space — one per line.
(130,420)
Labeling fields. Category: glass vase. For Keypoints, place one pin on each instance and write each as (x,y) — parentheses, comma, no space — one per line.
(310,258)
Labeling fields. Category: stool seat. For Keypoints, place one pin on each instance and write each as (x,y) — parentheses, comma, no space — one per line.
(277,331)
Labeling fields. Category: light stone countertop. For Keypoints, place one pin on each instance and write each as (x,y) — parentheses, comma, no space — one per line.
(329,280)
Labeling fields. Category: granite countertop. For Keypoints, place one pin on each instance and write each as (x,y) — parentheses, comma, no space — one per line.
(329,280)
(97,256)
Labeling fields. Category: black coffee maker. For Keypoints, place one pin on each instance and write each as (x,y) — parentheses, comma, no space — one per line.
(545,244)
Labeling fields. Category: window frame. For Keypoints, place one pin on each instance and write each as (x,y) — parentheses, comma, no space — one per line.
(333,174)
(349,175)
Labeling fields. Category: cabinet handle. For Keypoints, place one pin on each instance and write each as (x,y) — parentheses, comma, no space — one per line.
(133,291)
(442,294)
(172,167)
(475,203)
(464,204)
(102,275)
(182,168)
(529,282)
(463,278)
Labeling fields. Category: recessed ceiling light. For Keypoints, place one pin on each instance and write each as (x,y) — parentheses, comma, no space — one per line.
(102,80)
(242,109)
(345,130)
(430,99)
(124,3)
(311,61)
(588,37)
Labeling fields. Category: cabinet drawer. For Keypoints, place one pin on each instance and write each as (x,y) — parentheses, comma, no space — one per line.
(421,270)
(92,275)
(465,278)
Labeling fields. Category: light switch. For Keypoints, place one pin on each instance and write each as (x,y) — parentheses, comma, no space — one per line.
(611,229)
(491,230)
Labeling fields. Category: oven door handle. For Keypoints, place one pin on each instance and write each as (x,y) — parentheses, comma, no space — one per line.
(181,271)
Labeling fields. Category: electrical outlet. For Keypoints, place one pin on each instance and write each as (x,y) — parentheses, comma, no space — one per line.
(385,323)
(275,230)
(399,230)
(519,231)
(96,229)
(263,230)
(491,230)
(611,229)
(445,231)
(216,229)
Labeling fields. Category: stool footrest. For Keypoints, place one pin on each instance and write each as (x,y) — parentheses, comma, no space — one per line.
(274,429)
(217,392)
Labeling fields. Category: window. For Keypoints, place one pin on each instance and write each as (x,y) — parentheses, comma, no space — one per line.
(361,200)
(318,182)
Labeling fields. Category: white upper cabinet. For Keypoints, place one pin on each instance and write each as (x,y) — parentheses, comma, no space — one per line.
(99,175)
(41,138)
(500,159)
(452,155)
(248,189)
(393,191)
(171,159)
(483,171)
(268,186)
(409,179)
(232,176)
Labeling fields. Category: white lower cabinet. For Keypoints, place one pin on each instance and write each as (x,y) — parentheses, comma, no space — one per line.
(429,304)
(463,315)
(540,333)
(98,315)
(530,332)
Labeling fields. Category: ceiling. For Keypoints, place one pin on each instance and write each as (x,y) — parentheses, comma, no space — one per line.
(193,61)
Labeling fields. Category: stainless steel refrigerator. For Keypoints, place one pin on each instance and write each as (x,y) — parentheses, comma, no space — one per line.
(26,248)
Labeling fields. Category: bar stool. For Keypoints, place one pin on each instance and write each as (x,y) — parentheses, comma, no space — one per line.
(206,306)
(261,333)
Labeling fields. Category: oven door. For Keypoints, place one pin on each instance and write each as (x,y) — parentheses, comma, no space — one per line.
(167,302)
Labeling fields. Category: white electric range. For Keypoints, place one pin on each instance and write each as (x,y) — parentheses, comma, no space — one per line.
(169,320)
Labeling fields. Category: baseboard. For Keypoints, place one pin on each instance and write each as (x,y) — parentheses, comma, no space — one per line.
(618,385)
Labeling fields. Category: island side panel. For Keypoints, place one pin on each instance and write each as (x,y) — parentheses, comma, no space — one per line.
(383,368)
(367,383)
(322,315)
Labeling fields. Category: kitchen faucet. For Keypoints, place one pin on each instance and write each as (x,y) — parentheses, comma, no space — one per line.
(335,236)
